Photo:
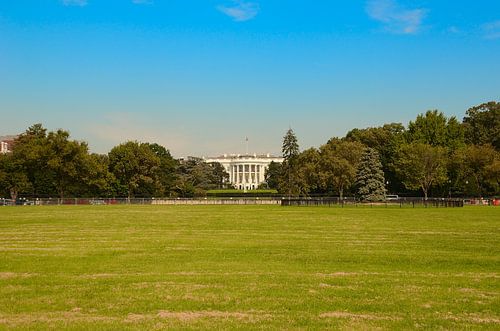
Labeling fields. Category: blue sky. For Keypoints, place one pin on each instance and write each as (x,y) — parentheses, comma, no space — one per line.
(200,76)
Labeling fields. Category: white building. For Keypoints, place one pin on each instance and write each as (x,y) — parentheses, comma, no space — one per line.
(246,172)
(6,143)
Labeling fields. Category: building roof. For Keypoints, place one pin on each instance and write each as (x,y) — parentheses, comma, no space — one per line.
(8,137)
(244,156)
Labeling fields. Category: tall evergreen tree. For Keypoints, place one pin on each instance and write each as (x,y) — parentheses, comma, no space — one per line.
(290,182)
(370,177)
(290,147)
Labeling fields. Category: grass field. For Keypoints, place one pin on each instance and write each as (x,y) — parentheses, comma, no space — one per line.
(249,267)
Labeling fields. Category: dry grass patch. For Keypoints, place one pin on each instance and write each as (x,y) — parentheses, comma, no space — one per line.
(355,316)
(213,314)
(473,318)
(8,275)
(17,320)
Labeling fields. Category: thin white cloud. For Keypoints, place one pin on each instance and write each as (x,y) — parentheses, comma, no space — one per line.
(492,30)
(240,11)
(396,18)
(80,3)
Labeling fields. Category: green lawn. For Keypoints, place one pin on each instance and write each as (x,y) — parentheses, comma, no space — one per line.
(249,267)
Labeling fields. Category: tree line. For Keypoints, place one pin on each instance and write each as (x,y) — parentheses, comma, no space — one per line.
(50,164)
(433,156)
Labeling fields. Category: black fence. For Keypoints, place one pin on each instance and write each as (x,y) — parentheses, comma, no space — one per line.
(284,201)
(403,202)
(138,201)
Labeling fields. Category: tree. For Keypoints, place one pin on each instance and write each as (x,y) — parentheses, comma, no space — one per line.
(479,166)
(272,175)
(134,165)
(421,166)
(66,162)
(338,164)
(378,138)
(386,140)
(290,148)
(219,175)
(435,129)
(96,176)
(167,169)
(482,124)
(30,152)
(195,176)
(370,181)
(309,167)
(13,177)
(290,181)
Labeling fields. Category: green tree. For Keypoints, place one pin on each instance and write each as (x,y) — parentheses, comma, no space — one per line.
(98,179)
(167,169)
(290,180)
(370,182)
(218,175)
(309,167)
(272,175)
(338,164)
(479,166)
(482,124)
(30,152)
(13,178)
(386,140)
(134,165)
(195,177)
(422,166)
(66,162)
(52,164)
(435,129)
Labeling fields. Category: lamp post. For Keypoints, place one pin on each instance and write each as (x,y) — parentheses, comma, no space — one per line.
(449,188)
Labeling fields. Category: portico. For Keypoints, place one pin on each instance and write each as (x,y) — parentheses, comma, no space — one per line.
(246,172)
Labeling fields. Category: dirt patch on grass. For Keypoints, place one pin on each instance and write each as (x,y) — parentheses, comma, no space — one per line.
(96,276)
(324,285)
(132,318)
(473,318)
(479,293)
(346,274)
(52,317)
(8,275)
(212,314)
(355,316)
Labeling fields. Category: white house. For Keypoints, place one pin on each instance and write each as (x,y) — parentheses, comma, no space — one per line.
(247,171)
(6,143)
